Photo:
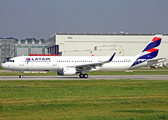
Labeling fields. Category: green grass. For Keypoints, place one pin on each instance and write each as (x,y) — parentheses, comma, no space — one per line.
(83,100)
(1,68)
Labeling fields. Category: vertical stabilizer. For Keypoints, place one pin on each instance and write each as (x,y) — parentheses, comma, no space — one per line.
(150,51)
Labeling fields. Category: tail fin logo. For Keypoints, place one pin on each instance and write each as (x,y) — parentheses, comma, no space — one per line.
(154,43)
(150,51)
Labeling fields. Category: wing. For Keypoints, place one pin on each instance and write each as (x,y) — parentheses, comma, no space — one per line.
(92,65)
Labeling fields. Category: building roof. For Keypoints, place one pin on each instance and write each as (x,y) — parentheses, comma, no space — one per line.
(107,34)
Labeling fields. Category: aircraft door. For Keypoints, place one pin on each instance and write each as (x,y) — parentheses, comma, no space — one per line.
(21,61)
(54,62)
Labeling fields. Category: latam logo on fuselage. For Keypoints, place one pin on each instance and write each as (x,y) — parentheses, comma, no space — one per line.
(38,59)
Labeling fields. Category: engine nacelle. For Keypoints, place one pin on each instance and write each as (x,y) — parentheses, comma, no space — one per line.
(67,71)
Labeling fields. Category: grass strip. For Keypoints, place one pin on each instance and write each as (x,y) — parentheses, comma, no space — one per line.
(93,99)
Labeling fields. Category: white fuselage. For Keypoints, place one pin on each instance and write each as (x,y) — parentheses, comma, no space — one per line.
(56,63)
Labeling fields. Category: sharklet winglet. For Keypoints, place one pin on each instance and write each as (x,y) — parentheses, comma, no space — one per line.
(110,58)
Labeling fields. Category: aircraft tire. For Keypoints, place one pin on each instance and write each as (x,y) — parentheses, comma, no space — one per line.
(20,76)
(81,75)
(85,76)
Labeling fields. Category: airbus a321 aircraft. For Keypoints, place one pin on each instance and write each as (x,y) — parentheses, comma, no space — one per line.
(71,65)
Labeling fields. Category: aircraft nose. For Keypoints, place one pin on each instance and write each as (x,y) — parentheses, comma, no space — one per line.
(4,65)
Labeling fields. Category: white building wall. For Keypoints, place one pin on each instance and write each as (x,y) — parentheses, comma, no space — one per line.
(104,44)
(73,45)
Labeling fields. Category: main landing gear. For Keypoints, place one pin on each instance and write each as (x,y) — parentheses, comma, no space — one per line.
(83,75)
(21,74)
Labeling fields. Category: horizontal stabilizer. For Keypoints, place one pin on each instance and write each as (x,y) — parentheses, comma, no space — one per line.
(155,59)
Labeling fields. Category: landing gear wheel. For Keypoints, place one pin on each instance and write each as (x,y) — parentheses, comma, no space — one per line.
(85,76)
(20,76)
(81,75)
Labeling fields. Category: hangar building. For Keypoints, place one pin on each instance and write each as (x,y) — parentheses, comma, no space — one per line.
(29,46)
(75,44)
(6,49)
(11,47)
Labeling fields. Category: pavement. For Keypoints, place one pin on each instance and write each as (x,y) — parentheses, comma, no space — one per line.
(91,77)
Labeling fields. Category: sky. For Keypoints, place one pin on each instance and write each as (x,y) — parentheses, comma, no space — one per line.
(42,18)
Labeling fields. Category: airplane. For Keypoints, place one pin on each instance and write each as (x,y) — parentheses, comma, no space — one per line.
(71,65)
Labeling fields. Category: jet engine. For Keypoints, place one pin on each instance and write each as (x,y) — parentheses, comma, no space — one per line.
(67,71)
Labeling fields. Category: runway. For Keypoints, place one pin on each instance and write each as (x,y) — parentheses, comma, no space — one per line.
(91,77)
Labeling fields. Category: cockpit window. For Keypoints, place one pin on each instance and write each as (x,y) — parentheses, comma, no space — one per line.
(11,61)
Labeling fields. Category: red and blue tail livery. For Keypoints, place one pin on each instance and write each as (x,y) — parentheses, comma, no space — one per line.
(150,51)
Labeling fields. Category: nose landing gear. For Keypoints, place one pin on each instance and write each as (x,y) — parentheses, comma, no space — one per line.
(21,74)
